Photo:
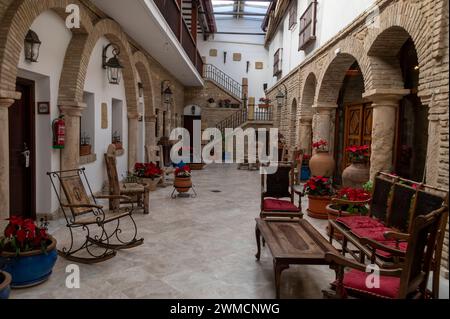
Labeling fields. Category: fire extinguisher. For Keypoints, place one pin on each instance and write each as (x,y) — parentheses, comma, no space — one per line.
(59,133)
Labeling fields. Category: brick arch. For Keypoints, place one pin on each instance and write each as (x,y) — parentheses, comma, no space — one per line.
(332,79)
(143,68)
(77,60)
(308,94)
(384,42)
(14,26)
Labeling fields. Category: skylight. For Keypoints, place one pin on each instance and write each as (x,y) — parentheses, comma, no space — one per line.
(253,10)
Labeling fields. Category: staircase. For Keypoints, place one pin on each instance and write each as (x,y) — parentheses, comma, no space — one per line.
(224,81)
(241,118)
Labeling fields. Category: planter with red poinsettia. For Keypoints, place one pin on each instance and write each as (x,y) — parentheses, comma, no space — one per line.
(27,252)
(348,202)
(319,190)
(183,181)
(358,172)
(149,174)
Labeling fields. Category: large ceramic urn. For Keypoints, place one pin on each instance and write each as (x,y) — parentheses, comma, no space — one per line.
(322,164)
(356,175)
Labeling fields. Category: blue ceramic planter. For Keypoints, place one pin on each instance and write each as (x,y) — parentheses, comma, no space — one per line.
(32,268)
(305,173)
(5,282)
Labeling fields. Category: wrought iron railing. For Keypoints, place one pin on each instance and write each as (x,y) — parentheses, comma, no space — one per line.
(240,117)
(223,80)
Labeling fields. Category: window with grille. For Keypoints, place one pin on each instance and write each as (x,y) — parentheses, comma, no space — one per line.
(277,63)
(293,15)
(308,23)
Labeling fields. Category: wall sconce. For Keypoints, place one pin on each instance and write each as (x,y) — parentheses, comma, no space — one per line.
(112,65)
(166,92)
(193,109)
(281,96)
(141,89)
(32,46)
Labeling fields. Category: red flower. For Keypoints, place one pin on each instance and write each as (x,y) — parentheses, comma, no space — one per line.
(21,235)
(10,230)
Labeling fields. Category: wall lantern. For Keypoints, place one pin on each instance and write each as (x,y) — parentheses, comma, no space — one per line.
(112,65)
(166,92)
(193,109)
(32,46)
(281,96)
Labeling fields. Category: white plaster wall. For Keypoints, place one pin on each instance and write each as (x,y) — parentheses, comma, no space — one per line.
(46,74)
(332,17)
(97,83)
(251,48)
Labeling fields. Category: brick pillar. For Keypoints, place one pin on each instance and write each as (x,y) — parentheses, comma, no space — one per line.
(321,123)
(385,104)
(251,109)
(132,139)
(70,155)
(305,133)
(5,103)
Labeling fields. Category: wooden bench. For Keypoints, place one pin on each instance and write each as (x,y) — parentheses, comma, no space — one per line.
(293,242)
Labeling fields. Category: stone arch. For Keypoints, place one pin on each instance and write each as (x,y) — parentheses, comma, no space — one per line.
(14,27)
(143,69)
(76,63)
(332,79)
(385,41)
(308,94)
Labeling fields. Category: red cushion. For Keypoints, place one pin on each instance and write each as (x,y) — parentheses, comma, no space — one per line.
(402,246)
(359,222)
(277,205)
(375,233)
(356,280)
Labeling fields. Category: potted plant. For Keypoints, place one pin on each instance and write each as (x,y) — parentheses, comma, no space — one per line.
(347,202)
(212,102)
(5,284)
(227,103)
(182,182)
(319,190)
(358,172)
(149,173)
(85,145)
(28,252)
(321,163)
(264,103)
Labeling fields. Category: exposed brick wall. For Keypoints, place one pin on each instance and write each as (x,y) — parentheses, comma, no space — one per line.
(375,47)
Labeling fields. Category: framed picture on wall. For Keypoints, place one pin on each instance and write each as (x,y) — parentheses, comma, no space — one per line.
(43,107)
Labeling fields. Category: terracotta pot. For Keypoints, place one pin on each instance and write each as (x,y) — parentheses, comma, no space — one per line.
(85,150)
(151,183)
(322,164)
(197,166)
(182,184)
(356,175)
(334,214)
(317,206)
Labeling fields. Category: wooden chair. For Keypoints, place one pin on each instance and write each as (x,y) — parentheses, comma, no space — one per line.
(83,213)
(155,154)
(275,187)
(408,281)
(135,193)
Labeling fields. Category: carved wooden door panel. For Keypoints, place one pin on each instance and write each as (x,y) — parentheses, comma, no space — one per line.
(358,128)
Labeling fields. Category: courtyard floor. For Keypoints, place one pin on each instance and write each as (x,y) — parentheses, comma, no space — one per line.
(198,248)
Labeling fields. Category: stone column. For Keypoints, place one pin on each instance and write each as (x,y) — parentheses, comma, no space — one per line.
(70,155)
(385,103)
(150,129)
(132,139)
(322,123)
(251,109)
(305,132)
(5,103)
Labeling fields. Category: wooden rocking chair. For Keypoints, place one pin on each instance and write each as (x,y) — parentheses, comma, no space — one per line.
(134,193)
(410,280)
(277,193)
(83,214)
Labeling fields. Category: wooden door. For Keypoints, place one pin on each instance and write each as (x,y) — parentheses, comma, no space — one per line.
(358,128)
(21,140)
